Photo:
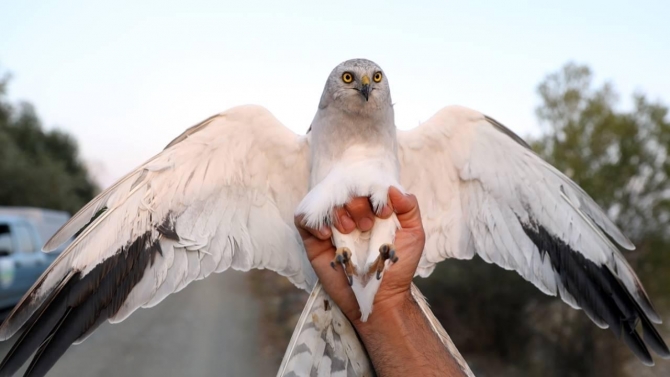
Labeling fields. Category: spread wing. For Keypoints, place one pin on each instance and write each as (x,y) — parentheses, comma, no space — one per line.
(483,191)
(220,196)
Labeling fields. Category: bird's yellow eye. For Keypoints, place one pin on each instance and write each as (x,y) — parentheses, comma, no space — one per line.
(377,77)
(347,77)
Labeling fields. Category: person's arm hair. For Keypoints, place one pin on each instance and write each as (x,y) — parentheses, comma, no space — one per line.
(401,342)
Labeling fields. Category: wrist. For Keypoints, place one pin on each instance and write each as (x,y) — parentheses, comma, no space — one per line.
(385,312)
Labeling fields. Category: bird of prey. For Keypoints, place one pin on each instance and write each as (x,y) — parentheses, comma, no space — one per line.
(224,194)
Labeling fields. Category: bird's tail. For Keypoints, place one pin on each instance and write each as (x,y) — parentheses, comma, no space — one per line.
(440,331)
(324,343)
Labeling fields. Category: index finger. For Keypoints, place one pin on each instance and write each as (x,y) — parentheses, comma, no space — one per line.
(323,234)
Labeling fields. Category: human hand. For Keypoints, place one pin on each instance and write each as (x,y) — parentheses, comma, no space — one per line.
(357,213)
(397,325)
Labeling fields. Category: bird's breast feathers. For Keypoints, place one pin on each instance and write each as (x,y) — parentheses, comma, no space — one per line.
(362,170)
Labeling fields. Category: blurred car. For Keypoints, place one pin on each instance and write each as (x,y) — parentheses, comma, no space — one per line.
(23,231)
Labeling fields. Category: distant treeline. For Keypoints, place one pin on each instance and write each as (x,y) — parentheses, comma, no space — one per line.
(39,168)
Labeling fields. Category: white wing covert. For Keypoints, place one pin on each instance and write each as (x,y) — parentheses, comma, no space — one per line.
(219,196)
(483,191)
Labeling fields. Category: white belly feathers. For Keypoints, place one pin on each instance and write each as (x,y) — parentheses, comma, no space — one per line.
(361,171)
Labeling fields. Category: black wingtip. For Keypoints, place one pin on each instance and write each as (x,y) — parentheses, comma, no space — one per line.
(634,342)
(600,293)
(83,303)
(654,340)
(38,328)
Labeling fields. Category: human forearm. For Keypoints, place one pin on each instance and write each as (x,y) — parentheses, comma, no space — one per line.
(401,342)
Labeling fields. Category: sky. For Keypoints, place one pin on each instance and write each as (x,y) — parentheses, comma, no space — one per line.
(125,77)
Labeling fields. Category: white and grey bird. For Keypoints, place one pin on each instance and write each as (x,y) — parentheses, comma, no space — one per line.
(224,193)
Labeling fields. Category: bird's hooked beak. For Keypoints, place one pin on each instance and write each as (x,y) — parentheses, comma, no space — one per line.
(365,88)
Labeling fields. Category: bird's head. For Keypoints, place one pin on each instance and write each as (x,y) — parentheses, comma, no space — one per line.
(357,85)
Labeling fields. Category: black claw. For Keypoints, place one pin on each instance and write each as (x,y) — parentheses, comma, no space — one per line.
(392,255)
(384,251)
(351,280)
(339,258)
(332,264)
(379,275)
(394,259)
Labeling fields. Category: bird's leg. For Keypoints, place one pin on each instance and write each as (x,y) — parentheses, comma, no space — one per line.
(381,247)
(344,243)
(343,257)
(386,252)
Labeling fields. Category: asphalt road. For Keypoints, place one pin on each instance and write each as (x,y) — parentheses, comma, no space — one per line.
(208,329)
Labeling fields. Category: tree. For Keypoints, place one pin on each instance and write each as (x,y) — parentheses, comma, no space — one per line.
(502,324)
(39,168)
(619,157)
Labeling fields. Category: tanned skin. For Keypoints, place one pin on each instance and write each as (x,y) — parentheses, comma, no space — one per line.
(397,336)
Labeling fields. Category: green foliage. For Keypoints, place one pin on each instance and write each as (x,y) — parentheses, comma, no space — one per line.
(506,327)
(619,157)
(38,168)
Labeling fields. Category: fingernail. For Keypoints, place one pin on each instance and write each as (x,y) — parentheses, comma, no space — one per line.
(325,232)
(365,224)
(347,222)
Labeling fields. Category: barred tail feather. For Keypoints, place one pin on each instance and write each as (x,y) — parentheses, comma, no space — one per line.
(324,343)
